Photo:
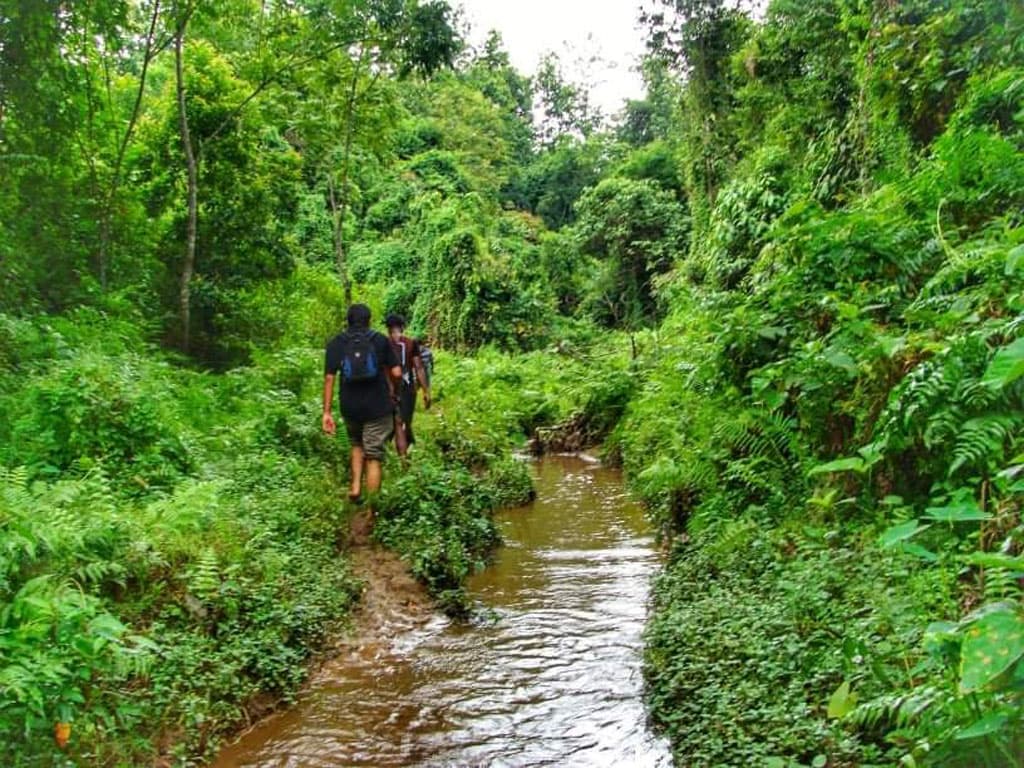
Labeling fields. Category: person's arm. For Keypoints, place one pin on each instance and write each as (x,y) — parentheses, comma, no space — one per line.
(394,369)
(328,418)
(394,379)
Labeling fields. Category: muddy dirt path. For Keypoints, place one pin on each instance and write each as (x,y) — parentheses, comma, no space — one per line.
(392,604)
(392,600)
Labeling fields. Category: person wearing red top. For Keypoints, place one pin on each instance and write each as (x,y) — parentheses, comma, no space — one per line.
(407,352)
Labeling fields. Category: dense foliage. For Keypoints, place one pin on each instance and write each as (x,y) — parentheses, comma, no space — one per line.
(784,289)
(831,420)
(174,543)
(168,547)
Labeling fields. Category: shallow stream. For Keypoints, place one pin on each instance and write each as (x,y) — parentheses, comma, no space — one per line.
(551,678)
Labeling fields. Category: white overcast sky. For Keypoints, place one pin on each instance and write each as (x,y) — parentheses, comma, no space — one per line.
(576,30)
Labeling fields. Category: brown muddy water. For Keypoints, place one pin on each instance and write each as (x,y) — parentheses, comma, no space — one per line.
(550,676)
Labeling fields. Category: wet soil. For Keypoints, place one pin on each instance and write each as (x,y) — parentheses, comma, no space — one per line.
(392,602)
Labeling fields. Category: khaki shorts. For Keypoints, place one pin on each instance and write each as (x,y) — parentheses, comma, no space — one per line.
(371,435)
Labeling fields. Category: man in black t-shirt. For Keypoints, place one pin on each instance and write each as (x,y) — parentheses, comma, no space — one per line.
(365,362)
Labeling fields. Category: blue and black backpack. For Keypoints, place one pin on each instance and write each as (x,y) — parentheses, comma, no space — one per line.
(359,359)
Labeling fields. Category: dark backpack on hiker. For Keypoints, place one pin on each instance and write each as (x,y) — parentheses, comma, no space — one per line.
(427,358)
(403,351)
(359,359)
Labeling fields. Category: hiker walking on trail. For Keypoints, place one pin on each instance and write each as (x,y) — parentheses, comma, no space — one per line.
(409,355)
(366,363)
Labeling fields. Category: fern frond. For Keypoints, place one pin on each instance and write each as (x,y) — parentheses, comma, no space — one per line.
(753,473)
(898,710)
(731,433)
(99,572)
(1001,584)
(204,576)
(1014,327)
(14,492)
(981,439)
(965,267)
(976,395)
(942,424)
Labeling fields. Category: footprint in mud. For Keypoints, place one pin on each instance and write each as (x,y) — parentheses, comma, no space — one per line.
(361,527)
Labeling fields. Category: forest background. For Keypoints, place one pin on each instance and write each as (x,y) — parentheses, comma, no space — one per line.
(783,290)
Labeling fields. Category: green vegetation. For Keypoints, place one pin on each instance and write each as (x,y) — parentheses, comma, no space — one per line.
(174,540)
(833,403)
(169,548)
(784,290)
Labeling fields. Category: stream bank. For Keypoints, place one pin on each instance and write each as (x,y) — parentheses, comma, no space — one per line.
(550,675)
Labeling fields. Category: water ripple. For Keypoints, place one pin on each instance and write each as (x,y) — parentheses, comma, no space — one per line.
(554,680)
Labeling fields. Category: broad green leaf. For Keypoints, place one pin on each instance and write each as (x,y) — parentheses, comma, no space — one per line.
(846,310)
(771,332)
(842,702)
(938,634)
(892,344)
(1015,469)
(991,644)
(106,627)
(995,560)
(1014,259)
(898,533)
(963,511)
(1007,365)
(848,464)
(917,550)
(990,723)
(872,453)
(840,359)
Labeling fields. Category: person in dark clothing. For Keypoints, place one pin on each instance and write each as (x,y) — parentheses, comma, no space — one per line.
(367,366)
(407,351)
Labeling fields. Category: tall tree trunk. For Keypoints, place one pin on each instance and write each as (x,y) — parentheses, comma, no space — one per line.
(188,264)
(107,214)
(339,198)
(880,11)
(337,204)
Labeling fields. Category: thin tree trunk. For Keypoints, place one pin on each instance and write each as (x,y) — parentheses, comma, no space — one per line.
(863,117)
(86,140)
(706,137)
(189,262)
(107,214)
(337,234)
(339,202)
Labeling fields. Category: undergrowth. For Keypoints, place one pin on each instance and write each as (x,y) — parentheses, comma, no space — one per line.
(832,438)
(172,542)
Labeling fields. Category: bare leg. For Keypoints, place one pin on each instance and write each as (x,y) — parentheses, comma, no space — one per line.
(357,461)
(372,475)
(401,439)
(372,486)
